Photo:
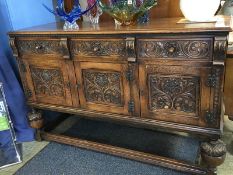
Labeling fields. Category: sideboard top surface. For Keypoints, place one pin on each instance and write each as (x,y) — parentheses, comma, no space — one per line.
(163,25)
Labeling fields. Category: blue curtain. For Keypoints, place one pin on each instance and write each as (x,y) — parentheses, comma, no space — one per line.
(14,16)
(15,100)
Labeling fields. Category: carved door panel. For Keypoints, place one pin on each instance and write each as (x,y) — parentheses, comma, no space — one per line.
(175,93)
(46,81)
(103,87)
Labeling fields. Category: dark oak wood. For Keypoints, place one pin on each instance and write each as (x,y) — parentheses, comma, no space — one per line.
(214,154)
(157,75)
(158,26)
(228,88)
(135,121)
(126,153)
(106,79)
(46,81)
(228,84)
(187,81)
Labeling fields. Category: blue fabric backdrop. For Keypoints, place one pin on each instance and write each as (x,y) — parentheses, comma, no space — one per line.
(15,100)
(15,15)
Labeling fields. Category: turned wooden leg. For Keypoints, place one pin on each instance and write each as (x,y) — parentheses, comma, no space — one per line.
(213,153)
(36,121)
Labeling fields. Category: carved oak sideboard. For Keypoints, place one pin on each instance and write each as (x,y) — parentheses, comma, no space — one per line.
(157,75)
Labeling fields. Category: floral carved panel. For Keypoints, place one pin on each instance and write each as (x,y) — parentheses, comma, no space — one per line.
(47,82)
(99,48)
(173,93)
(192,49)
(103,87)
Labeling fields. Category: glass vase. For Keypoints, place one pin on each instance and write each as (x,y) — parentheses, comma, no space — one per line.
(70,26)
(93,14)
(145,17)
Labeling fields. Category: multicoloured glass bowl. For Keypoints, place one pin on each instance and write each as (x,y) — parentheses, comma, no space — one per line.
(126,12)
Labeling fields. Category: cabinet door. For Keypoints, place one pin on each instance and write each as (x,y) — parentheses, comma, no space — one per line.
(46,81)
(175,93)
(103,86)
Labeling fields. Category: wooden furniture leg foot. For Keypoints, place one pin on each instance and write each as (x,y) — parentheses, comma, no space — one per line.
(38,135)
(213,153)
(36,121)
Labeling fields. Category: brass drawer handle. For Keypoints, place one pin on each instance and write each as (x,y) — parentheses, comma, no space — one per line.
(171,49)
(39,47)
(96,49)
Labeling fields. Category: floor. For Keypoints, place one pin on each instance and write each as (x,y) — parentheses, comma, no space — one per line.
(32,148)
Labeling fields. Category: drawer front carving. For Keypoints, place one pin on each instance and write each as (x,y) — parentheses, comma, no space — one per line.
(103,87)
(183,49)
(43,47)
(98,48)
(174,94)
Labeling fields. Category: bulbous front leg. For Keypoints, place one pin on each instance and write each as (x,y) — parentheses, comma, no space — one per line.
(36,121)
(213,153)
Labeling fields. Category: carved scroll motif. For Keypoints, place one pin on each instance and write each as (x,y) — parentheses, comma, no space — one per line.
(40,47)
(64,47)
(130,45)
(13,47)
(47,81)
(220,50)
(99,48)
(174,93)
(175,49)
(102,87)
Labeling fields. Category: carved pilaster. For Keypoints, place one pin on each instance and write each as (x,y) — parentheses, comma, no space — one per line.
(217,91)
(213,153)
(64,46)
(13,47)
(130,42)
(215,82)
(220,50)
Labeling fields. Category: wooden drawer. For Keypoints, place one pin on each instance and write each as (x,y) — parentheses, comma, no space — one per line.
(43,47)
(94,49)
(193,48)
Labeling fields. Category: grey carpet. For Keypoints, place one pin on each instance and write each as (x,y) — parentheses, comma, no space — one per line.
(159,143)
(59,159)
